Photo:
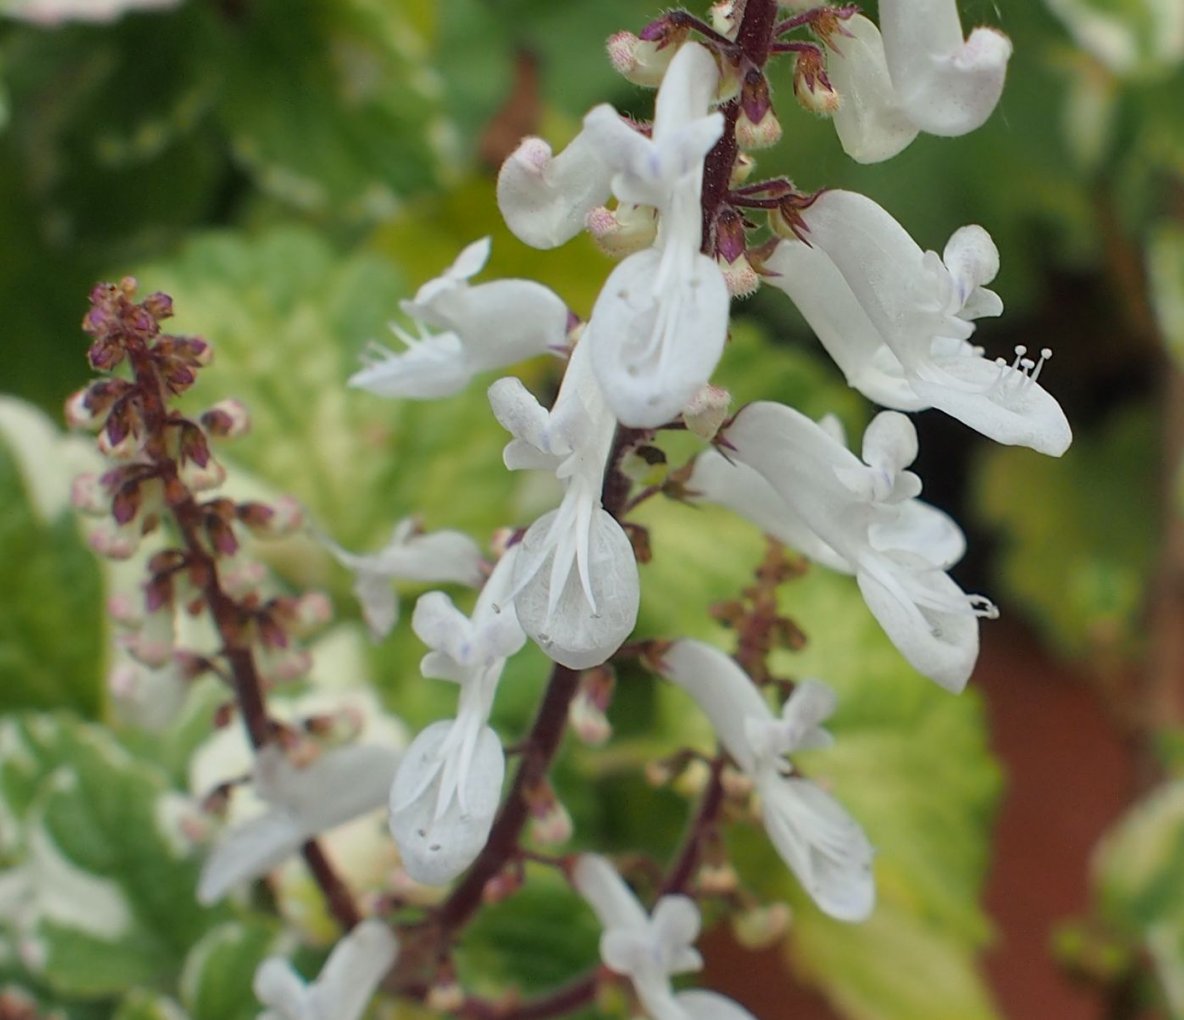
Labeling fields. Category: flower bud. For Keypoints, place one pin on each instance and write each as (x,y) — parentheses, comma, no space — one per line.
(693,779)
(283,665)
(281,517)
(735,783)
(152,643)
(757,126)
(718,879)
(741,169)
(587,711)
(445,996)
(118,440)
(644,465)
(725,17)
(115,541)
(622,231)
(643,61)
(550,823)
(502,886)
(707,410)
(240,574)
(89,496)
(227,419)
(201,478)
(811,86)
(763,926)
(742,280)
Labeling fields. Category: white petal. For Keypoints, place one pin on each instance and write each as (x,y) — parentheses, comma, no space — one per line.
(675,924)
(1000,402)
(277,985)
(579,604)
(353,972)
(249,851)
(870,122)
(434,366)
(972,258)
(699,1004)
(808,707)
(519,413)
(607,894)
(813,282)
(745,492)
(380,604)
(926,615)
(922,530)
(656,334)
(722,690)
(946,85)
(505,321)
(436,847)
(687,90)
(341,784)
(822,844)
(544,200)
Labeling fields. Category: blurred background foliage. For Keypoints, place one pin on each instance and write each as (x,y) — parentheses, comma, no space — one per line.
(289,169)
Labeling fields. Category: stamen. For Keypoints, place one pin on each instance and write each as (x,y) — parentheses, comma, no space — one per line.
(1045,355)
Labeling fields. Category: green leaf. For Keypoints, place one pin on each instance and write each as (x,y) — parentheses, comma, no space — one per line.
(144,1005)
(106,874)
(1077,535)
(1134,38)
(52,628)
(331,105)
(216,981)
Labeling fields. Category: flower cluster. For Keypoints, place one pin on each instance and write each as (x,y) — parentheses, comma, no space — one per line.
(673,202)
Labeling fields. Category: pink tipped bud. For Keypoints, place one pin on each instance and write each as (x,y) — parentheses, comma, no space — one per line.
(742,280)
(502,886)
(125,609)
(758,134)
(123,682)
(114,541)
(201,478)
(811,86)
(152,644)
(644,61)
(78,412)
(227,419)
(240,575)
(550,824)
(624,230)
(311,612)
(718,879)
(762,927)
(707,410)
(725,17)
(272,520)
(588,721)
(118,444)
(283,665)
(90,496)
(445,997)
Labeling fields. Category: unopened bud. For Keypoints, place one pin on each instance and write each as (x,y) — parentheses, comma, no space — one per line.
(758,134)
(445,997)
(550,823)
(125,609)
(312,611)
(227,419)
(502,886)
(622,231)
(644,61)
(742,280)
(718,879)
(152,643)
(811,86)
(117,443)
(741,169)
(116,542)
(78,412)
(199,478)
(725,18)
(762,927)
(693,779)
(283,665)
(658,773)
(281,517)
(588,721)
(240,575)
(707,410)
(90,496)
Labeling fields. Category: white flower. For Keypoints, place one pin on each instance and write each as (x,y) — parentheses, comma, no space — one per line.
(446,791)
(487,326)
(301,803)
(576,589)
(897,320)
(921,75)
(346,983)
(649,950)
(55,12)
(815,836)
(410,555)
(855,508)
(658,327)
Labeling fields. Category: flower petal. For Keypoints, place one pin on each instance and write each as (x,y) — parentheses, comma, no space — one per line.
(813,282)
(545,199)
(947,85)
(437,846)
(926,615)
(700,1004)
(353,971)
(610,898)
(585,553)
(249,851)
(870,122)
(822,844)
(722,690)
(656,334)
(431,367)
